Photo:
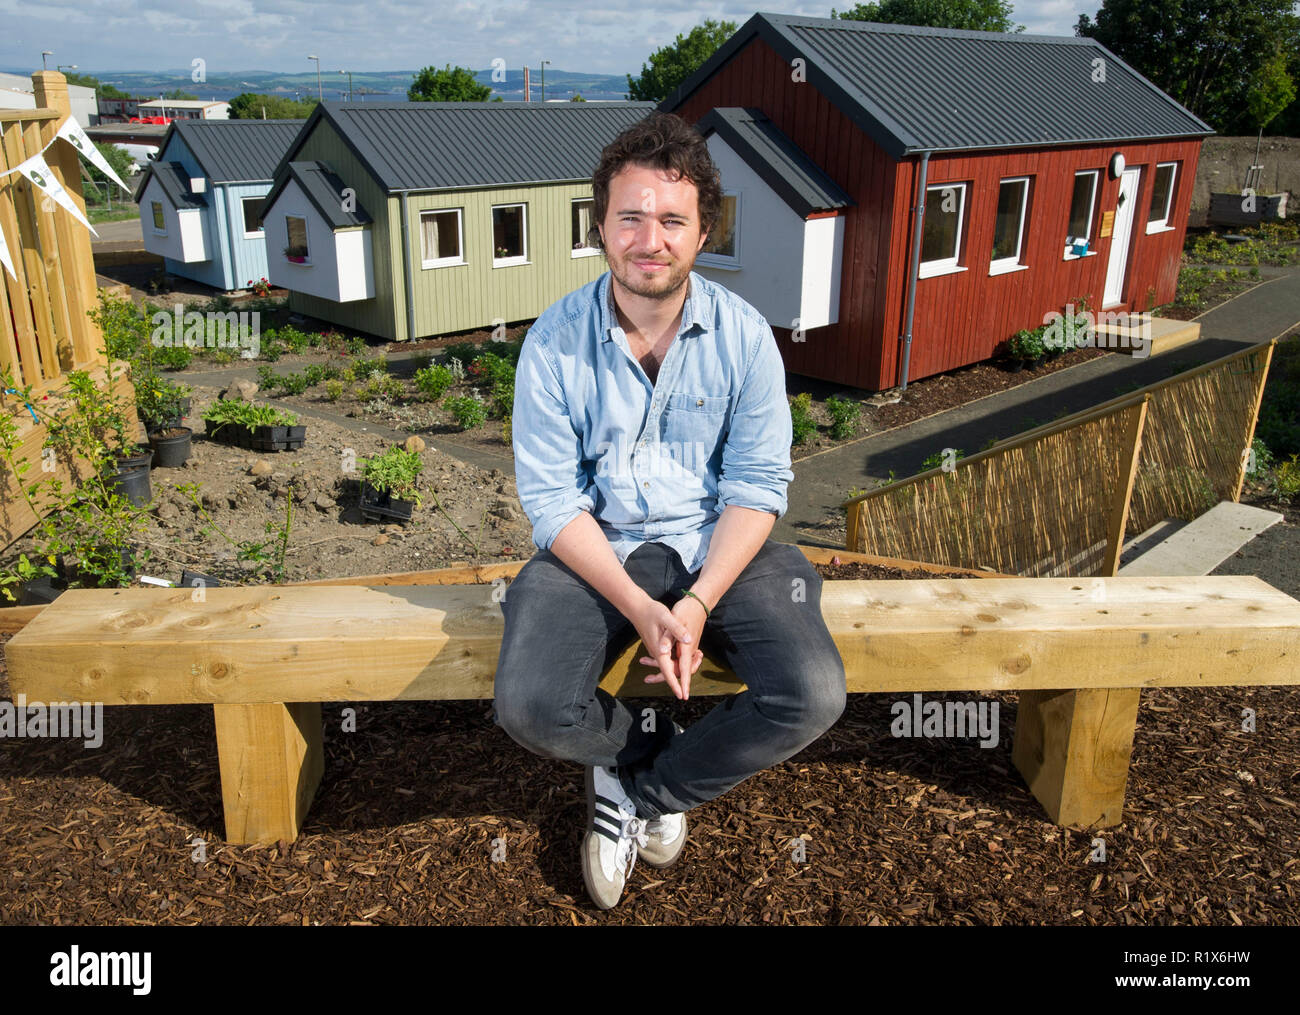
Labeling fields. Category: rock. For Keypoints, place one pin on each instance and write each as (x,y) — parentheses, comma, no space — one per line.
(415,444)
(248,566)
(379,540)
(501,488)
(324,503)
(167,511)
(496,474)
(241,390)
(261,467)
(211,500)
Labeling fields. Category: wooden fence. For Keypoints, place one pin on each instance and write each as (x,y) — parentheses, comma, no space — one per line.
(45,330)
(1060,500)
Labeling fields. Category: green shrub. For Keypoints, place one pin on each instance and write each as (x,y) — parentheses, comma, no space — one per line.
(466,352)
(314,374)
(433,381)
(936,460)
(844,416)
(366,366)
(294,384)
(333,390)
(355,345)
(173,357)
(394,472)
(802,425)
(1287,479)
(232,410)
(469,410)
(295,340)
(1026,344)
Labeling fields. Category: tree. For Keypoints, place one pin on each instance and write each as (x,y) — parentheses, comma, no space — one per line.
(976,15)
(451,84)
(1209,55)
(577,97)
(671,65)
(102,91)
(117,158)
(180,96)
(250,106)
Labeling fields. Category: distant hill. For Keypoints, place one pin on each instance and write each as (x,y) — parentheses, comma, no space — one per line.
(367,86)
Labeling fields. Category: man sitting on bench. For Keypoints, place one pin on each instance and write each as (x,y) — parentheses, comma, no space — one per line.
(652,455)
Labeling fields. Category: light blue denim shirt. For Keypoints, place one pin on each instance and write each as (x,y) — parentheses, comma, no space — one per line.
(651,462)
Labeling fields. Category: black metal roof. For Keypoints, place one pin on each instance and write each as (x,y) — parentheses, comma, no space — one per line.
(323,189)
(459,145)
(236,151)
(795,178)
(174,179)
(916,89)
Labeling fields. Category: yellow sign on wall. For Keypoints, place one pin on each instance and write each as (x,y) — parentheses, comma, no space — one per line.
(1107,223)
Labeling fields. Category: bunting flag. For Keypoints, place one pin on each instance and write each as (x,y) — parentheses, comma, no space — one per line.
(37,170)
(72,133)
(5,259)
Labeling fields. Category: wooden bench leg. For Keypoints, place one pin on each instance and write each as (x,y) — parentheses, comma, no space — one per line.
(272,760)
(1073,749)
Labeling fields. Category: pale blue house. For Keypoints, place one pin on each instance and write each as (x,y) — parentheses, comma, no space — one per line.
(200,199)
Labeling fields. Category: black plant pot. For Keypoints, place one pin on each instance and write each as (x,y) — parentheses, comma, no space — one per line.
(131,479)
(1016,366)
(41,590)
(382,507)
(196,579)
(1038,360)
(172,447)
(131,462)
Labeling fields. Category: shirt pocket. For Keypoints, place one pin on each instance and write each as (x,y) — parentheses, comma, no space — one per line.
(694,425)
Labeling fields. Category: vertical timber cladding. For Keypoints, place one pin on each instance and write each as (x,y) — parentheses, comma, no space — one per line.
(849,352)
(965,317)
(385,313)
(460,297)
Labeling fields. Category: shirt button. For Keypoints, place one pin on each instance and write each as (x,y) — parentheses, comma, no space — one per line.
(699,401)
(646,485)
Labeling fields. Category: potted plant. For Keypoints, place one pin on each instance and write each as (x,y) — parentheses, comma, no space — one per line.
(1025,346)
(388,489)
(296,253)
(257,427)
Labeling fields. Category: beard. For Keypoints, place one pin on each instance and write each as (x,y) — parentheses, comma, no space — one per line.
(660,285)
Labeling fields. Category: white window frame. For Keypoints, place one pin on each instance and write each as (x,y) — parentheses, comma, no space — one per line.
(306,263)
(156,210)
(1161,225)
(1092,211)
(443,262)
(1013,263)
(244,215)
(513,259)
(583,251)
(945,265)
(727,261)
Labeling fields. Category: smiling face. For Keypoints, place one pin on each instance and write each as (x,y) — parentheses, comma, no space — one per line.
(651,231)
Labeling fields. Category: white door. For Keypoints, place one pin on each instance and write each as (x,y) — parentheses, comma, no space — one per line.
(1123,229)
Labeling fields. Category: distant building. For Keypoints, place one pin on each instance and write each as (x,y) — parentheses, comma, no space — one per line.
(184,109)
(16,93)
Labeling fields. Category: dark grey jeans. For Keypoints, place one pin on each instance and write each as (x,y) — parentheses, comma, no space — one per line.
(561,635)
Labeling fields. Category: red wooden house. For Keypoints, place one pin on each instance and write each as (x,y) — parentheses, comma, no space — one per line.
(902,200)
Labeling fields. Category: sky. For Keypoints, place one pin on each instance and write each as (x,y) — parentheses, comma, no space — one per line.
(612,36)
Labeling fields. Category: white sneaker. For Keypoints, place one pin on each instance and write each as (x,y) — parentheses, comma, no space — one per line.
(613,834)
(665,836)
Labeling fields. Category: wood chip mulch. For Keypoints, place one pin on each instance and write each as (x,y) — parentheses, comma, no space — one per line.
(416,801)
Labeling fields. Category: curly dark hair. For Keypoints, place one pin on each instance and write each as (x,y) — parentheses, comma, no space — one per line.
(660,141)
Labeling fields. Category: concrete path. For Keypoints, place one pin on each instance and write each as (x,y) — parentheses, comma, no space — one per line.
(124,235)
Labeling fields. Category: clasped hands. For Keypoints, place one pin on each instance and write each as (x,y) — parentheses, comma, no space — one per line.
(675,633)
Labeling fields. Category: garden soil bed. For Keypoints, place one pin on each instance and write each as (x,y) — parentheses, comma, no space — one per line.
(895,831)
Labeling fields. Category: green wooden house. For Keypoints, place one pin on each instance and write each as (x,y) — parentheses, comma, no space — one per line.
(406,220)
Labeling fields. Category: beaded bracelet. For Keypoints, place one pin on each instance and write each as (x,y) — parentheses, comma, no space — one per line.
(688,592)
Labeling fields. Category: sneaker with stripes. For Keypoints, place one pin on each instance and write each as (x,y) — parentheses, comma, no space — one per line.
(613,834)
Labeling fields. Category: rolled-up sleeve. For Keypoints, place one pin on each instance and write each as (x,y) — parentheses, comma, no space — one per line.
(550,476)
(756,458)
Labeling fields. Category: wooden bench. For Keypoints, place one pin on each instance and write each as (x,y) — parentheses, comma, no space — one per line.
(1077,649)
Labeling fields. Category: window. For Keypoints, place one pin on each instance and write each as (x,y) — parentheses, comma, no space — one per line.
(1082,205)
(722,238)
(1009,225)
(1162,198)
(945,207)
(252,205)
(509,231)
(440,238)
(296,251)
(158,222)
(584,220)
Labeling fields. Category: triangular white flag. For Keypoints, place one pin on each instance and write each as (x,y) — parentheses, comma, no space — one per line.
(38,171)
(72,133)
(5,259)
